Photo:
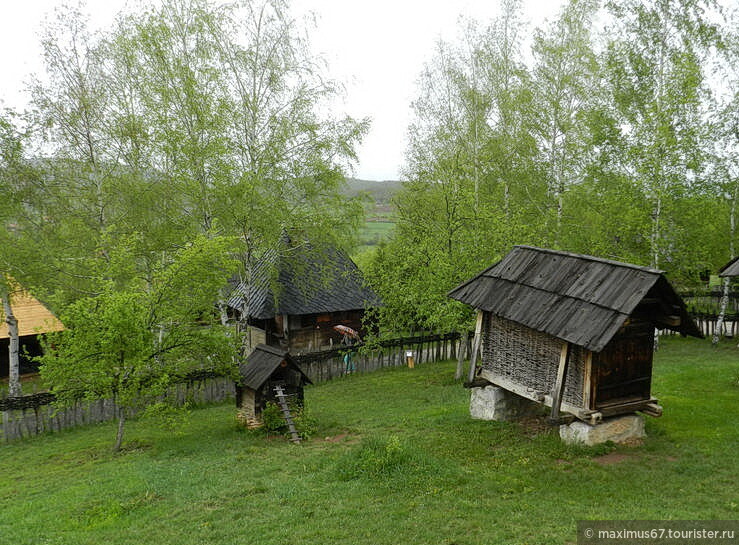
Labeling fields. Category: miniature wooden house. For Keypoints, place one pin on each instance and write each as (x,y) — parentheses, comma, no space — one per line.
(265,368)
(297,293)
(572,331)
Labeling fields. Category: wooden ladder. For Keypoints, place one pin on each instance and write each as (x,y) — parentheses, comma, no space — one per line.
(282,401)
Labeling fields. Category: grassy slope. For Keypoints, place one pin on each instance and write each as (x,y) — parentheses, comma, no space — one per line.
(453,480)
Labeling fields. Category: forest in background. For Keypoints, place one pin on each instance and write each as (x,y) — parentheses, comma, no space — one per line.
(611,131)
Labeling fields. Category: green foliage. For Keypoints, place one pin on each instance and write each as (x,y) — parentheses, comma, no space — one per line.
(305,422)
(167,417)
(272,418)
(273,421)
(379,457)
(611,144)
(132,338)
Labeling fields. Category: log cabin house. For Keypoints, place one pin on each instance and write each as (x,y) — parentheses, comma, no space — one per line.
(297,294)
(265,368)
(34,319)
(573,332)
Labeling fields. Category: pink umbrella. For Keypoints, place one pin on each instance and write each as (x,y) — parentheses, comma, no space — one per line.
(348,331)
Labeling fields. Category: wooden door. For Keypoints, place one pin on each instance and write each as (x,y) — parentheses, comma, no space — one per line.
(622,371)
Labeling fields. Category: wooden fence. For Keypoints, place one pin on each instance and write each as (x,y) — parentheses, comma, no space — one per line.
(30,415)
(330,364)
(34,414)
(707,322)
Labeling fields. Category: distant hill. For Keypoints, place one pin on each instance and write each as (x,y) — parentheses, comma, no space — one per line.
(381,192)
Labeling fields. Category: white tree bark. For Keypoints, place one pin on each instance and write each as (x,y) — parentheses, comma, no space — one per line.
(14,383)
(725,293)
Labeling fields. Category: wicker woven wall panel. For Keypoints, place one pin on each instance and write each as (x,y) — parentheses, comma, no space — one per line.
(530,358)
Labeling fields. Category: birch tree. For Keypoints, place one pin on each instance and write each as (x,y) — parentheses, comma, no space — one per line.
(655,63)
(564,82)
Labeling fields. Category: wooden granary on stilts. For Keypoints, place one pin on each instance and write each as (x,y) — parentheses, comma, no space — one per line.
(573,332)
(265,368)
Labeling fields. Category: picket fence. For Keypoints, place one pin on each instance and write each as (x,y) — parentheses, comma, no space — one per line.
(30,415)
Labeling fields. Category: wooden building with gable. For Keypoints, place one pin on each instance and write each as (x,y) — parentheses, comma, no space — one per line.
(297,294)
(265,368)
(731,269)
(574,332)
(34,319)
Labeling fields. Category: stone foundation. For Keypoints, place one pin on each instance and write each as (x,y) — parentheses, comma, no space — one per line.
(495,403)
(619,429)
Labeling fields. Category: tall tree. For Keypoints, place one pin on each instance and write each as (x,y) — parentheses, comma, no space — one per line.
(115,346)
(564,81)
(473,186)
(655,63)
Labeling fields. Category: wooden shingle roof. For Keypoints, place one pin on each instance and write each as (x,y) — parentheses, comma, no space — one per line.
(300,279)
(730,269)
(261,363)
(581,299)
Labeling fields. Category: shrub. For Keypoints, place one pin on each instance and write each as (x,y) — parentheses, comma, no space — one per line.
(272,418)
(380,457)
(305,423)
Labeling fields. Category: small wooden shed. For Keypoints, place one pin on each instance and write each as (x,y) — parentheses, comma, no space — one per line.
(574,332)
(265,368)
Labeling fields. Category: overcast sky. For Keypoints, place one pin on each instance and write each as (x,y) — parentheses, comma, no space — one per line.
(377,48)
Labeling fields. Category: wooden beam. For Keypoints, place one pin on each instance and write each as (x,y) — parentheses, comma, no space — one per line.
(476,343)
(652,409)
(507,384)
(559,385)
(460,356)
(647,406)
(587,379)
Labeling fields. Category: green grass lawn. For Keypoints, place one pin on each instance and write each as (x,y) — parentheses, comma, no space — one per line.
(396,460)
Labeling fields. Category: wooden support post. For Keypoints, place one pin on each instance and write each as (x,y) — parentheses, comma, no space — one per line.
(476,343)
(587,379)
(559,386)
(460,359)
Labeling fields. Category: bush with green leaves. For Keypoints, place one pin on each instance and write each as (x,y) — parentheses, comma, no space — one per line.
(380,457)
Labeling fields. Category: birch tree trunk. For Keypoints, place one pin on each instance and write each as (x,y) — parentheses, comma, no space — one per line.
(727,280)
(14,384)
(722,311)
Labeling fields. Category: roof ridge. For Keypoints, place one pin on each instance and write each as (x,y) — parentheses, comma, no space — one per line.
(592,258)
(272,349)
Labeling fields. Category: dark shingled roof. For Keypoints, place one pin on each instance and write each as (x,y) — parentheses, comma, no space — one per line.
(308,281)
(731,268)
(578,298)
(261,363)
